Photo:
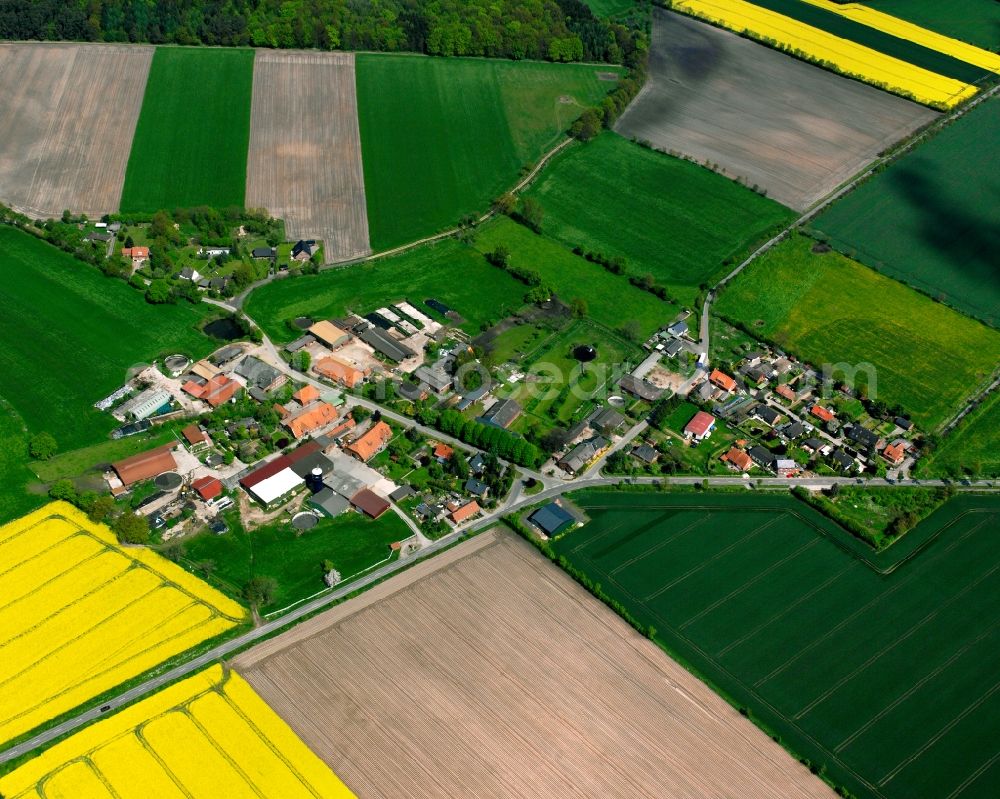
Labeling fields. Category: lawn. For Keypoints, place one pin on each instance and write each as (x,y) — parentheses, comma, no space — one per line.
(670,218)
(882,42)
(832,312)
(448,271)
(574,386)
(443,137)
(352,542)
(930,218)
(611,300)
(71,335)
(191,140)
(972,448)
(876,668)
(973,21)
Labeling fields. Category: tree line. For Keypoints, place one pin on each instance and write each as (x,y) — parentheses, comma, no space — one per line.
(557,30)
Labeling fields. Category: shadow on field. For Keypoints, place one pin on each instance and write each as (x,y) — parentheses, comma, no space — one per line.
(957,227)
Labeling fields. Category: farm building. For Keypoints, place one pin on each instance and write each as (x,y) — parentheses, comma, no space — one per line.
(434,377)
(310,418)
(414,392)
(145,465)
(607,421)
(339,372)
(207,487)
(194,435)
(329,502)
(226,354)
(370,443)
(264,252)
(501,414)
(385,344)
(204,370)
(303,249)
(700,427)
(327,333)
(465,512)
(220,389)
(370,503)
(640,388)
(144,404)
(551,519)
(273,482)
(260,374)
(300,343)
(308,457)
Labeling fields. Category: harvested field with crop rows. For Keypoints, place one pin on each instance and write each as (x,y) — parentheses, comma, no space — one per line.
(305,150)
(794,130)
(489,672)
(65,136)
(207,737)
(80,615)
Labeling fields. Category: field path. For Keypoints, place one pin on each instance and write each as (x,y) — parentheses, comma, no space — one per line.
(67,133)
(304,163)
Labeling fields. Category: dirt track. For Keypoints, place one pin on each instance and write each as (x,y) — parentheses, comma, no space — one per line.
(305,149)
(487,672)
(795,130)
(70,113)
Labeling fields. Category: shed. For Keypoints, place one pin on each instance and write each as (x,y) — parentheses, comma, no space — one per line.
(551,519)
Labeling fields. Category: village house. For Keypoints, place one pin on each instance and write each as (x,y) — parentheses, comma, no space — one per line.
(824,414)
(895,453)
(339,372)
(137,254)
(303,250)
(370,443)
(738,460)
(576,460)
(467,511)
(722,380)
(786,391)
(310,418)
(260,374)
(443,453)
(640,388)
(646,454)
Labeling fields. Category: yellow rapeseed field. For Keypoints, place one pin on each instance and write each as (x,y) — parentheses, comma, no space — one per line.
(848,57)
(895,26)
(209,736)
(80,614)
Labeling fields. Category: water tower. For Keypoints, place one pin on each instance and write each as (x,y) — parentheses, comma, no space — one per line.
(315,480)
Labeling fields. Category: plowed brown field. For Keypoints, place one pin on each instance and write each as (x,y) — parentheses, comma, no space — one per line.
(66,131)
(305,149)
(488,672)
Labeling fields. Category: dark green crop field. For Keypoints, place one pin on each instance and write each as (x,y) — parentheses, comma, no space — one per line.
(70,335)
(973,21)
(828,309)
(930,219)
(882,669)
(191,140)
(667,217)
(888,44)
(444,137)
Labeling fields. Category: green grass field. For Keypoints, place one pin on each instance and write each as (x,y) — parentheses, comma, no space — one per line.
(973,21)
(878,668)
(667,217)
(608,8)
(353,543)
(442,137)
(191,141)
(70,336)
(611,299)
(971,448)
(15,499)
(447,271)
(930,218)
(459,276)
(896,47)
(828,309)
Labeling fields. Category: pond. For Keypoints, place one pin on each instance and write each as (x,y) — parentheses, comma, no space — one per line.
(225,328)
(584,353)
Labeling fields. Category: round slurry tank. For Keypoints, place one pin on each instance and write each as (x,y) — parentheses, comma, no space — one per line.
(168,481)
(302,322)
(304,521)
(584,353)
